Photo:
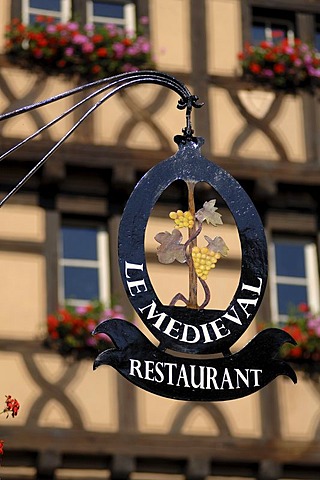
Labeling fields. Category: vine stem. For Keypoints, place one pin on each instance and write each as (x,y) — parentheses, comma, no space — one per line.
(193,301)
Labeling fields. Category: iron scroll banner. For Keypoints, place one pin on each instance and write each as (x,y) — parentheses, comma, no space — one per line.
(192,360)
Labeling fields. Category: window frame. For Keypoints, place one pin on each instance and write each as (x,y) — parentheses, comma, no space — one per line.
(81,8)
(102,264)
(270,20)
(310,281)
(129,20)
(26,11)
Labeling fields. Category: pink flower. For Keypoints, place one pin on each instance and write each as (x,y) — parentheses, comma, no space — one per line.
(72,26)
(51,28)
(268,72)
(118,49)
(297,62)
(134,50)
(81,310)
(87,47)
(314,324)
(288,50)
(91,342)
(69,52)
(127,67)
(107,313)
(79,39)
(145,47)
(112,29)
(89,27)
(91,325)
(144,20)
(307,59)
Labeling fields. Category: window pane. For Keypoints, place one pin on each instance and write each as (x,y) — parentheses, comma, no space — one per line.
(271,25)
(79,243)
(45,4)
(290,261)
(81,283)
(108,9)
(258,33)
(290,295)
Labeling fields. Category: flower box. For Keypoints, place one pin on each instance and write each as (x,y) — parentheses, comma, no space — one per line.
(69,330)
(304,327)
(88,52)
(286,66)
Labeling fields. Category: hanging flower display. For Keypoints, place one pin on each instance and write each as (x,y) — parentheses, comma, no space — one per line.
(287,65)
(304,327)
(11,408)
(89,52)
(69,330)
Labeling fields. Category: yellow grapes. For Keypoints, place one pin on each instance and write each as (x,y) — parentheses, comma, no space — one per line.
(204,260)
(182,219)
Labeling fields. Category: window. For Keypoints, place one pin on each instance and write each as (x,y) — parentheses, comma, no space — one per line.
(83,265)
(271,25)
(119,12)
(294,275)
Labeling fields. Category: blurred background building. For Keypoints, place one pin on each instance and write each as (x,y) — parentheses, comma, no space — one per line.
(58,240)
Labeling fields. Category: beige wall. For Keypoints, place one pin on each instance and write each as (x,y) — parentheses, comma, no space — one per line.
(23,291)
(158,415)
(287,125)
(170,34)
(4,20)
(150,130)
(299,409)
(223,35)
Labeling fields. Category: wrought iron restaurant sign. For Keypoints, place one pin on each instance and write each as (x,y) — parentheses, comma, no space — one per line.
(192,360)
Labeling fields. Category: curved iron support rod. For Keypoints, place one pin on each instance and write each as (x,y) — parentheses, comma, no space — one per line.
(118,82)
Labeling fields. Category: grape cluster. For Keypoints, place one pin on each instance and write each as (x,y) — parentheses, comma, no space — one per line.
(182,219)
(204,260)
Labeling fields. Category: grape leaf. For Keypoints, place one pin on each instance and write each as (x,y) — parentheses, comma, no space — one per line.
(217,245)
(209,213)
(170,248)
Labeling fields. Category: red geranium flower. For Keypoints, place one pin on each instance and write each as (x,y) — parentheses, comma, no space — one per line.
(270,57)
(265,44)
(255,68)
(102,52)
(40,18)
(279,68)
(303,307)
(295,332)
(97,38)
(12,406)
(296,352)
